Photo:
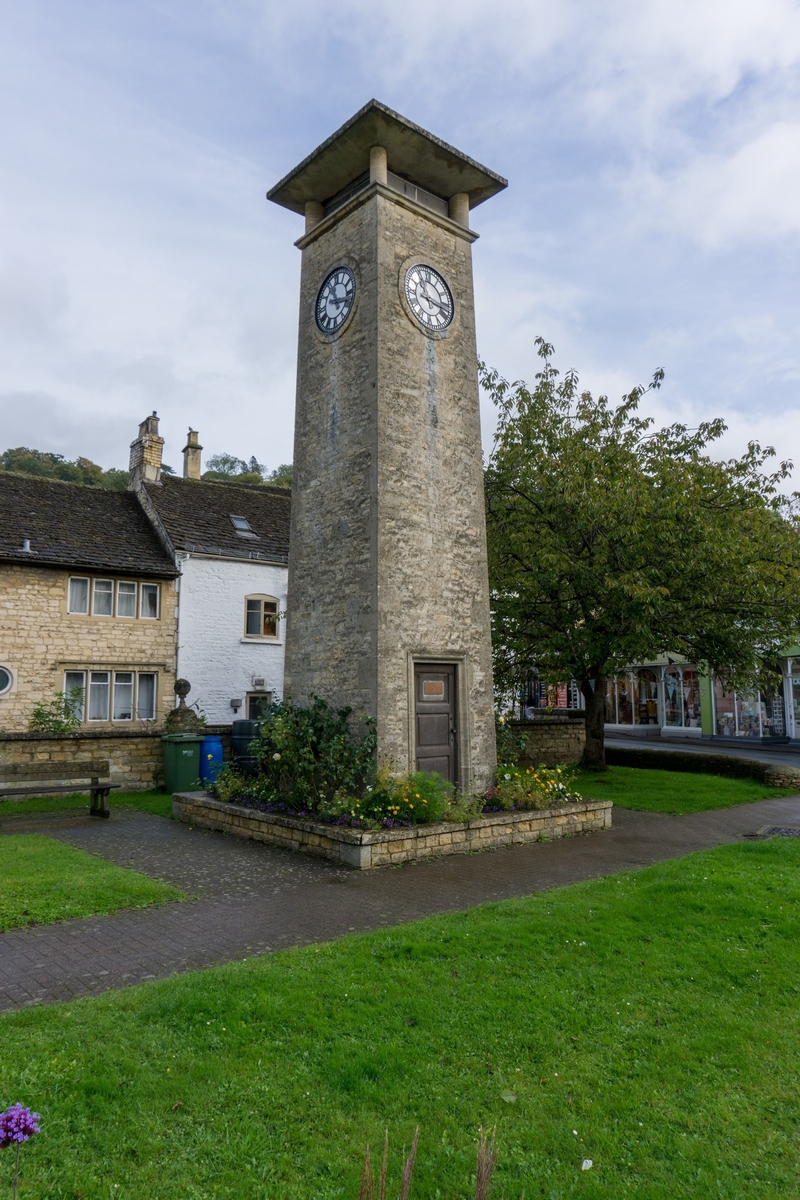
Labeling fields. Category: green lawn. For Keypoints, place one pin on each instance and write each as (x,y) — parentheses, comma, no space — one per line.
(158,803)
(647,1021)
(42,880)
(672,791)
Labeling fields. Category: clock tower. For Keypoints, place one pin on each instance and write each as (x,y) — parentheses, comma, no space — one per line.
(388,603)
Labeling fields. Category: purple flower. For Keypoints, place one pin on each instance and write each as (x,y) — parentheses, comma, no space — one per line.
(17,1124)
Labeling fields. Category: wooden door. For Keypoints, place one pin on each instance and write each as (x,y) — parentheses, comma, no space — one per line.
(435,719)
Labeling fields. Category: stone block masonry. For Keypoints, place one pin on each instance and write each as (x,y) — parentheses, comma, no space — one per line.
(40,639)
(135,759)
(551,741)
(365,849)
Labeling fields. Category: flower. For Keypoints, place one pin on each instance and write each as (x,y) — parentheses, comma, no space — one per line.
(506,777)
(276,757)
(17,1124)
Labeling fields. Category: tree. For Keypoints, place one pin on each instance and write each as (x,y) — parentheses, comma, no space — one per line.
(281,476)
(229,468)
(611,542)
(47,465)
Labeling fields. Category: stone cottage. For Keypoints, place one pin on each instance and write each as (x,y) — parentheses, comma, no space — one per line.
(87,604)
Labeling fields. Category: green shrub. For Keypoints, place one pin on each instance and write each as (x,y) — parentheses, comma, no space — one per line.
(410,799)
(306,757)
(62,714)
(533,787)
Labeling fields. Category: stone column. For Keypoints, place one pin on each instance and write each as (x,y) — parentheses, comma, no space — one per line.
(314,214)
(458,207)
(378,165)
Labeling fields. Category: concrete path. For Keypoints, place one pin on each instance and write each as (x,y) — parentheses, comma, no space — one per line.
(250,899)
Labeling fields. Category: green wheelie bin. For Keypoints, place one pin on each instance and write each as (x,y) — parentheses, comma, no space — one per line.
(181,761)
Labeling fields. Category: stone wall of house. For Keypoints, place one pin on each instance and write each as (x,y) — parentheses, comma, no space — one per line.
(552,740)
(214,655)
(40,640)
(135,759)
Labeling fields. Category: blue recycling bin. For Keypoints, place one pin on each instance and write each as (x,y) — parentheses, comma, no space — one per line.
(211,759)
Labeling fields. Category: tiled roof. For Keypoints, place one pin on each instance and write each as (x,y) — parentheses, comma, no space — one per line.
(196,514)
(72,525)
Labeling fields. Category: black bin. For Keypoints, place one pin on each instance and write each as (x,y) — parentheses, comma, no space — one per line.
(242,734)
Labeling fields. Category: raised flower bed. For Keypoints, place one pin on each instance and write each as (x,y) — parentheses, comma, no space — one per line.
(367,848)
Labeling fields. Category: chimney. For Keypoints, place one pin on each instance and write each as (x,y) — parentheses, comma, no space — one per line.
(191,456)
(145,460)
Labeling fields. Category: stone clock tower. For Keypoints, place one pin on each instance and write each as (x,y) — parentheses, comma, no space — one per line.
(388,605)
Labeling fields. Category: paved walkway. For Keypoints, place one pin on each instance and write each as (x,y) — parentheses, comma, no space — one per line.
(250,899)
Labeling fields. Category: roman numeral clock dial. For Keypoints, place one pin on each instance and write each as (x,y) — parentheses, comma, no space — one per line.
(429,297)
(335,300)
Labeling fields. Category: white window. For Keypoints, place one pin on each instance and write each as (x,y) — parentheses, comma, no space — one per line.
(123,696)
(99,689)
(150,599)
(261,617)
(75,691)
(103,599)
(126,598)
(6,680)
(146,696)
(78,600)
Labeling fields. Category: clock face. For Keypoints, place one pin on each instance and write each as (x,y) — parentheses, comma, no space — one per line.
(429,297)
(335,300)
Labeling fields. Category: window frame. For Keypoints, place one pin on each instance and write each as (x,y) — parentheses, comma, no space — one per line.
(117,682)
(95,581)
(108,685)
(135,585)
(68,689)
(261,598)
(150,675)
(142,615)
(8,671)
(79,612)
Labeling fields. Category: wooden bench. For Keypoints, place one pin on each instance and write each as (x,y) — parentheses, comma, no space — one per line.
(38,775)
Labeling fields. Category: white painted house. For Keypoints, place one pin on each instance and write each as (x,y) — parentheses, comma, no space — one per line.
(230,542)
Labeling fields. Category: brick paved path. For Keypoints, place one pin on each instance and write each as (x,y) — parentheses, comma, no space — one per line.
(249,899)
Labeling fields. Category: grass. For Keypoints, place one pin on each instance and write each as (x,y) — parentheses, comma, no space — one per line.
(655,1013)
(42,880)
(157,803)
(672,791)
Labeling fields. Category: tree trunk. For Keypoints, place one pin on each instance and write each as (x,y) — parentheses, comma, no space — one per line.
(594,695)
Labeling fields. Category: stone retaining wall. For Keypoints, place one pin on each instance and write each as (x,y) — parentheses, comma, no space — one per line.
(134,757)
(552,740)
(364,849)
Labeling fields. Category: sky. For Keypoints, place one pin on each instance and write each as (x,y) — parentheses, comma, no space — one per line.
(652,149)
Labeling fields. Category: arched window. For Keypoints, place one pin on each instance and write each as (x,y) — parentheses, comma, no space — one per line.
(261,617)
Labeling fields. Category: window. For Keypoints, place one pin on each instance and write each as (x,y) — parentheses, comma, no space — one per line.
(6,680)
(126,599)
(78,601)
(75,683)
(241,524)
(258,705)
(99,689)
(150,598)
(261,617)
(647,698)
(146,697)
(123,696)
(103,601)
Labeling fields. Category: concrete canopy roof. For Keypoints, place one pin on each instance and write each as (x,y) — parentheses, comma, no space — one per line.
(411,151)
